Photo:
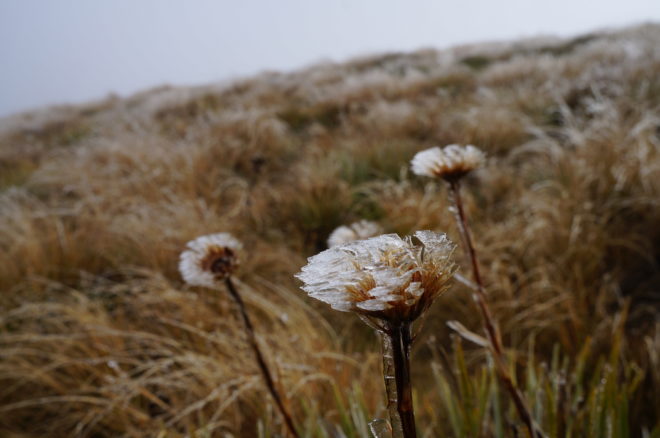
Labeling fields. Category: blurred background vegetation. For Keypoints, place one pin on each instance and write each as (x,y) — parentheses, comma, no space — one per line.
(99,337)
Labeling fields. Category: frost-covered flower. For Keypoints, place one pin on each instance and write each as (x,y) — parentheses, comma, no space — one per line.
(355,231)
(209,259)
(450,163)
(384,277)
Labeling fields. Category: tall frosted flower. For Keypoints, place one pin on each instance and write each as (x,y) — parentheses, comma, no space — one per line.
(209,261)
(390,282)
(450,163)
(384,277)
(356,231)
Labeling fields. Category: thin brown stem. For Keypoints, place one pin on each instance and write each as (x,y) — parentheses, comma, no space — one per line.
(270,383)
(390,386)
(479,296)
(401,340)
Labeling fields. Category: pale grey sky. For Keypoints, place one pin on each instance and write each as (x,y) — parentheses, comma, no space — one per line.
(59,51)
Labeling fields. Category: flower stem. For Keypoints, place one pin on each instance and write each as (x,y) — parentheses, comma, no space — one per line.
(401,340)
(249,328)
(390,385)
(479,297)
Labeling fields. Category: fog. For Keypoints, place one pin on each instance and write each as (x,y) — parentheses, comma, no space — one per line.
(76,50)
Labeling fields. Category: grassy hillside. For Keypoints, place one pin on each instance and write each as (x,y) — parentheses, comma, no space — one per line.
(99,336)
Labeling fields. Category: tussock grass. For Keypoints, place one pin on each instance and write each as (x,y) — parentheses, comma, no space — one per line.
(100,338)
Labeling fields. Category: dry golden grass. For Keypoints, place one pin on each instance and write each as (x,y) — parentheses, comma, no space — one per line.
(100,338)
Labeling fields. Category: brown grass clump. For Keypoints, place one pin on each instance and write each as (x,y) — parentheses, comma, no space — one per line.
(99,336)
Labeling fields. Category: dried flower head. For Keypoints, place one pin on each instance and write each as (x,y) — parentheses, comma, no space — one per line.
(450,163)
(385,277)
(355,231)
(209,259)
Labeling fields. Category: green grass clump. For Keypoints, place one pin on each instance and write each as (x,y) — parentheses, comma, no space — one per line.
(585,396)
(477,62)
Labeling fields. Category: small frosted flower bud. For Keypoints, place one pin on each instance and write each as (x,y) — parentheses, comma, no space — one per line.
(356,231)
(384,277)
(450,163)
(209,259)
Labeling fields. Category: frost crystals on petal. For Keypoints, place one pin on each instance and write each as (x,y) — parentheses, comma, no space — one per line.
(385,277)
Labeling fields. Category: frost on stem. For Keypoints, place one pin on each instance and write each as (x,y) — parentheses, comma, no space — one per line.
(450,163)
(384,277)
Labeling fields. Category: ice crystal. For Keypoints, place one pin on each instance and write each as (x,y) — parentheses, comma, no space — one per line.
(385,277)
(355,231)
(450,163)
(209,259)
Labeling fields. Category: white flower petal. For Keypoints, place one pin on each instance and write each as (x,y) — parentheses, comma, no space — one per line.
(415,289)
(374,305)
(437,246)
(356,231)
(190,261)
(451,161)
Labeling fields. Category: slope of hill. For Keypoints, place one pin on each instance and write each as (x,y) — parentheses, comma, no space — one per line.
(100,337)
